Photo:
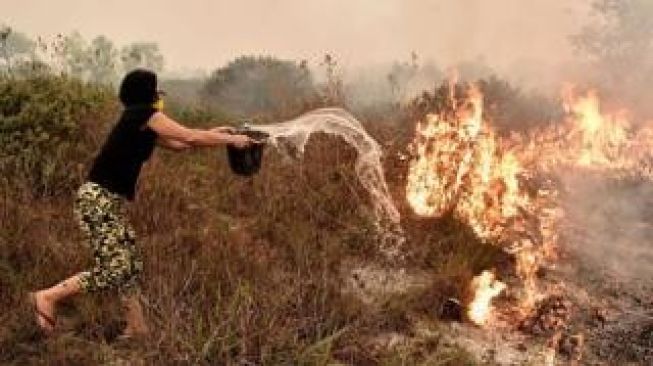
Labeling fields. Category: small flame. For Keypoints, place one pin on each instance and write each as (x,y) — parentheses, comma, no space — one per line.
(595,139)
(485,288)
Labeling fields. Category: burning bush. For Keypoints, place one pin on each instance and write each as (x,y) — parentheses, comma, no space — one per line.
(508,108)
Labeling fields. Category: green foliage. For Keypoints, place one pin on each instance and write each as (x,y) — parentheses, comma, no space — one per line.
(253,86)
(42,129)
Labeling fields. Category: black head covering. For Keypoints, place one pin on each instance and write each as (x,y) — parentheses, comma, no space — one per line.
(138,88)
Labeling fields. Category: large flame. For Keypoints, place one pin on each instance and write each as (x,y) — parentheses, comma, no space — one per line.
(461,166)
(443,152)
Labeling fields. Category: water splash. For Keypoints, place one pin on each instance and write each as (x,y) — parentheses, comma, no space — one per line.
(290,138)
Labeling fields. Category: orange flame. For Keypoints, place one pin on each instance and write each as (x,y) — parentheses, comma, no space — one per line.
(595,139)
(443,151)
(461,166)
(598,137)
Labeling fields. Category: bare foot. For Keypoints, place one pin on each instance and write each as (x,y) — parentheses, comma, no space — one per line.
(44,311)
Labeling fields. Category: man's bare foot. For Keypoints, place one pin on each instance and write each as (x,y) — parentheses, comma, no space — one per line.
(44,311)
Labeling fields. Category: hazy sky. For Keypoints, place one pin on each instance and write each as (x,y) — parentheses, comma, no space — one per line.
(206,33)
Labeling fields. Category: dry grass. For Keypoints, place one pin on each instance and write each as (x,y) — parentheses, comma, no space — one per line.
(238,271)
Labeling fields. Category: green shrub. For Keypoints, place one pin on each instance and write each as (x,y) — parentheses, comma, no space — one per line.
(46,125)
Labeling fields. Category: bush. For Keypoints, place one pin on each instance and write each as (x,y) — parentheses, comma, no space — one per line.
(45,123)
(510,109)
(253,86)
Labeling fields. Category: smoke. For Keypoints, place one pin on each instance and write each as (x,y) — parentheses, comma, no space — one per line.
(612,219)
(611,224)
(388,84)
(359,33)
(615,47)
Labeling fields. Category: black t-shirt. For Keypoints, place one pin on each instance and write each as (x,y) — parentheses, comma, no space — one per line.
(129,144)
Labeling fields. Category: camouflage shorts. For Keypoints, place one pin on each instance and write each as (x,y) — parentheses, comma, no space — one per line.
(101,216)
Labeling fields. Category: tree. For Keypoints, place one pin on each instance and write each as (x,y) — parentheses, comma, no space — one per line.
(15,46)
(400,75)
(332,90)
(74,55)
(620,38)
(102,60)
(619,45)
(141,54)
(253,85)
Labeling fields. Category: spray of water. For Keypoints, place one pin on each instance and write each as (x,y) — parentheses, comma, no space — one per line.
(290,138)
